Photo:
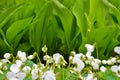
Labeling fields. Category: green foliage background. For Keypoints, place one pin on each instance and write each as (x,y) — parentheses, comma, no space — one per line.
(62,25)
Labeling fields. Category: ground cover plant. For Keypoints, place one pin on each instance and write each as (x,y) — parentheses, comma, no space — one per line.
(63,26)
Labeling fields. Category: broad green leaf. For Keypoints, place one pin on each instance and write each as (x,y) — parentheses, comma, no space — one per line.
(24,46)
(102,40)
(66,17)
(5,40)
(78,10)
(68,3)
(3,47)
(39,27)
(5,16)
(51,34)
(94,5)
(100,16)
(17,30)
(113,8)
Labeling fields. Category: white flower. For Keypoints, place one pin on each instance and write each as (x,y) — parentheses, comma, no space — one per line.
(95,65)
(26,69)
(7,55)
(19,63)
(48,75)
(80,56)
(5,61)
(97,61)
(90,77)
(80,64)
(102,69)
(57,57)
(89,60)
(22,55)
(116,69)
(15,76)
(15,73)
(31,57)
(90,48)
(34,73)
(14,68)
(88,54)
(113,60)
(109,62)
(104,62)
(117,50)
(44,49)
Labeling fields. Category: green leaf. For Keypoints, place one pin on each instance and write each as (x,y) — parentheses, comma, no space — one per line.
(16,30)
(51,34)
(113,8)
(78,9)
(3,76)
(103,39)
(39,27)
(66,17)
(94,5)
(6,15)
(108,75)
(29,63)
(24,47)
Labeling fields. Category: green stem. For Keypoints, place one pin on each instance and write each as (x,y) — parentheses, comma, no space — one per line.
(38,57)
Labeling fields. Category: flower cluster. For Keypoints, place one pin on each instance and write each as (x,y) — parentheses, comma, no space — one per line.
(83,65)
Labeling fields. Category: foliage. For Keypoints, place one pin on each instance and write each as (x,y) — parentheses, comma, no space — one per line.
(62,25)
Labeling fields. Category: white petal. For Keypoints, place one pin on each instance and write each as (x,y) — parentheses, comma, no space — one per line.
(26,69)
(19,63)
(7,55)
(104,62)
(113,60)
(48,75)
(90,48)
(30,57)
(14,68)
(89,77)
(21,75)
(80,64)
(97,61)
(114,68)
(10,75)
(102,69)
(14,78)
(34,73)
(95,65)
(57,57)
(88,54)
(22,55)
(117,49)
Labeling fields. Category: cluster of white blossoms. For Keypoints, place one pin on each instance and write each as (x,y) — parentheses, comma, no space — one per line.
(22,66)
